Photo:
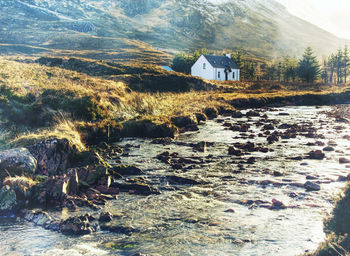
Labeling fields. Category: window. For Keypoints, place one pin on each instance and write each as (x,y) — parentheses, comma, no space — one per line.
(204,66)
(233,75)
(219,74)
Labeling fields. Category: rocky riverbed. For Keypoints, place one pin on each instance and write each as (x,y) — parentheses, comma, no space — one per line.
(255,182)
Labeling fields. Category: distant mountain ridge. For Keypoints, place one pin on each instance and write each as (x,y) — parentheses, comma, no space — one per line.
(263,27)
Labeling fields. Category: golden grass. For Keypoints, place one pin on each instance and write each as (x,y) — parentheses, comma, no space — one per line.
(24,77)
(19,182)
(63,130)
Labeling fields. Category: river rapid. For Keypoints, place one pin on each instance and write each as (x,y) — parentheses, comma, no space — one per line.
(253,204)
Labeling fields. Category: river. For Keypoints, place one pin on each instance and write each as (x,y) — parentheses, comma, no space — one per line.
(229,212)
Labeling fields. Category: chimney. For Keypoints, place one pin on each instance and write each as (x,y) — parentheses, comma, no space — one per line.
(228,55)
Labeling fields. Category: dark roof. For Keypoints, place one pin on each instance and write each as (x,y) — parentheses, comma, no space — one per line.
(221,61)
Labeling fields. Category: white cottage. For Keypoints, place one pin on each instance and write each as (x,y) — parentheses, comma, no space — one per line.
(220,68)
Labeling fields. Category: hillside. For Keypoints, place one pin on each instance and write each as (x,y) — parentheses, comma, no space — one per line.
(128,29)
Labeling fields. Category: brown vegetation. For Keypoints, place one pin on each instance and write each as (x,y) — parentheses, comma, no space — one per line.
(74,98)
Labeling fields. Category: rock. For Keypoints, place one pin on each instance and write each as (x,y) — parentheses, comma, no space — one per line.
(105,217)
(8,202)
(316,154)
(234,152)
(201,146)
(328,149)
(272,138)
(230,210)
(183,121)
(211,113)
(117,228)
(342,178)
(269,127)
(16,162)
(252,113)
(251,160)
(38,217)
(293,195)
(310,177)
(344,160)
(163,141)
(277,205)
(53,156)
(310,186)
(137,188)
(93,175)
(237,114)
(127,170)
(181,180)
(76,226)
(71,183)
(277,174)
(200,117)
(106,190)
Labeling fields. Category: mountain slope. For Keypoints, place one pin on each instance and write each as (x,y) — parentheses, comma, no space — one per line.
(263,27)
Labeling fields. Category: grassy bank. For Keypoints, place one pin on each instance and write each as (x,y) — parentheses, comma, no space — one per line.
(337,228)
(81,99)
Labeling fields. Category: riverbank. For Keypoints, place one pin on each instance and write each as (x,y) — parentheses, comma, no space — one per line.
(88,102)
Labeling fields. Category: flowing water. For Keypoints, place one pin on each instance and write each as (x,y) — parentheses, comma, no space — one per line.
(228,213)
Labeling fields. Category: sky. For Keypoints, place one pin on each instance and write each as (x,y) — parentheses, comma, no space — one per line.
(331,15)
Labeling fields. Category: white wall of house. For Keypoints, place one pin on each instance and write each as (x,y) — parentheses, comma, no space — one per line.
(220,74)
(203,69)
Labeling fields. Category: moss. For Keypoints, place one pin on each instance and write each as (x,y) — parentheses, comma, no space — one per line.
(121,245)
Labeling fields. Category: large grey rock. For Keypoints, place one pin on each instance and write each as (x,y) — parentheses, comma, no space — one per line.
(8,201)
(17,162)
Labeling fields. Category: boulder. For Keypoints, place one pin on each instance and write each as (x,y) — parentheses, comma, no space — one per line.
(200,117)
(17,162)
(93,175)
(328,149)
(76,226)
(105,217)
(127,170)
(234,152)
(211,113)
(277,205)
(183,121)
(311,186)
(200,147)
(316,154)
(53,156)
(252,113)
(8,201)
(118,228)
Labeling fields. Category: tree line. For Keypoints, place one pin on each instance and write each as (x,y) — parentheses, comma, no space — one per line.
(334,70)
